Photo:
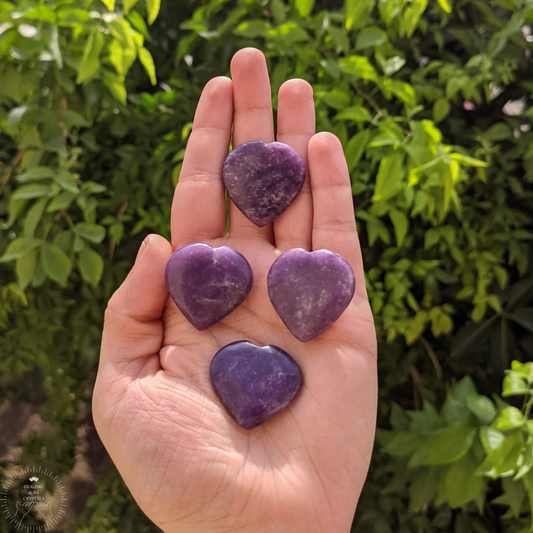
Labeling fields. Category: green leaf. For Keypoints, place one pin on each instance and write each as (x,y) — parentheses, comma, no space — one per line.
(498,132)
(91,232)
(277,7)
(446,5)
(441,109)
(153,7)
(36,173)
(513,496)
(403,444)
(514,384)
(148,63)
(72,118)
(403,91)
(358,66)
(116,86)
(509,418)
(524,369)
(491,439)
(28,192)
(20,247)
(91,266)
(371,36)
(61,201)
(357,11)
(252,28)
(462,486)
(55,48)
(505,456)
(482,407)
(336,98)
(400,224)
(423,488)
(449,446)
(56,263)
(110,4)
(25,268)
(412,15)
(355,113)
(468,161)
(90,62)
(523,317)
(391,65)
(304,7)
(34,216)
(355,148)
(389,178)
(67,181)
(128,4)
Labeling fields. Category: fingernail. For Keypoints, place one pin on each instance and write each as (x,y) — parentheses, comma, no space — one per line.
(143,247)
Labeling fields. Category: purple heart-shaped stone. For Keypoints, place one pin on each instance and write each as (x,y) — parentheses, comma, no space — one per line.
(207,283)
(254,382)
(263,179)
(310,290)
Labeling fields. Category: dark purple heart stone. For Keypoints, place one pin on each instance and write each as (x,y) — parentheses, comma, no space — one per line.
(310,290)
(254,382)
(207,283)
(263,179)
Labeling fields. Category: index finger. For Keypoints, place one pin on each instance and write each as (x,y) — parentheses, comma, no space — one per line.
(199,205)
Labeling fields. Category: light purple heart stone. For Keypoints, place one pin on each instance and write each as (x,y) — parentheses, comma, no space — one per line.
(310,290)
(207,283)
(254,382)
(263,179)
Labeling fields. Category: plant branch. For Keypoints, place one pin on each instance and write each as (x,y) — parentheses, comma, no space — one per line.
(9,171)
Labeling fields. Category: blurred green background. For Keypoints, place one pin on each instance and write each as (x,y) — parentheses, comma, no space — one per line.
(432,102)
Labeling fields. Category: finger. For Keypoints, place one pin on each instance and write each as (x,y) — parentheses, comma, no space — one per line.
(133,328)
(296,125)
(252,121)
(199,206)
(333,211)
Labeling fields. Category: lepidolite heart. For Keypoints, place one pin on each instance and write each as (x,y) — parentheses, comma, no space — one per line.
(254,382)
(310,290)
(207,283)
(263,179)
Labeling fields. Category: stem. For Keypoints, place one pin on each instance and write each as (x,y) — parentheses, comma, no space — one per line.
(529,406)
(9,171)
(369,99)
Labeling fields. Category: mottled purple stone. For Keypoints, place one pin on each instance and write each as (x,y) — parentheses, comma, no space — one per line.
(310,290)
(254,382)
(263,179)
(207,283)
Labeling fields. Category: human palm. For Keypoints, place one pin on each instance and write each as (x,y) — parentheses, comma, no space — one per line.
(188,464)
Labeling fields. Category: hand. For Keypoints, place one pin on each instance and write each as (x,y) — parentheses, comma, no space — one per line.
(189,465)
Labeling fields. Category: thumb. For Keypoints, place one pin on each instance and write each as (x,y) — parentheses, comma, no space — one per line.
(133,328)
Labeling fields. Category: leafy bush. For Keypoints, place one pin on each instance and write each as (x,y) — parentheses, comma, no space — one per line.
(448,454)
(431,101)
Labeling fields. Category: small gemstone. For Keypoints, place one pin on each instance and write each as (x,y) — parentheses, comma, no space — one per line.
(254,382)
(207,283)
(263,179)
(310,290)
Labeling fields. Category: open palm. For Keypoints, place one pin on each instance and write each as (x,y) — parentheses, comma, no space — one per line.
(188,464)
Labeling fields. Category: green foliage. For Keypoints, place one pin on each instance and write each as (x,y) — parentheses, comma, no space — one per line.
(431,101)
(447,456)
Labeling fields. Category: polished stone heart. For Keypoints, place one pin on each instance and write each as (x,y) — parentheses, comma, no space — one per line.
(254,382)
(263,179)
(310,290)
(207,283)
